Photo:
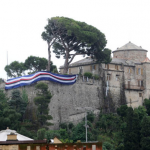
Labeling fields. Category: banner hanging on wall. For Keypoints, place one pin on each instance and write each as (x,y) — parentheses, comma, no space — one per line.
(38,76)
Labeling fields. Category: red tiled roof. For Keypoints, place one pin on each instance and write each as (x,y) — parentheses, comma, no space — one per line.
(146,60)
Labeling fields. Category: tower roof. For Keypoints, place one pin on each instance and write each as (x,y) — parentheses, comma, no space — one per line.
(146,60)
(130,46)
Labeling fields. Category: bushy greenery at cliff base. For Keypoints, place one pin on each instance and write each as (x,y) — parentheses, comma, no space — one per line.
(128,129)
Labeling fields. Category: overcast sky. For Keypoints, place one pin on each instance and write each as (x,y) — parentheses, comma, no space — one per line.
(23,21)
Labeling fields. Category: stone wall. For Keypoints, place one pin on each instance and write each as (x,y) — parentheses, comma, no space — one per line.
(130,54)
(85,68)
(146,73)
(69,102)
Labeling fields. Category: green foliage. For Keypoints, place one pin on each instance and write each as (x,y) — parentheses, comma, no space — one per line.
(41,134)
(136,127)
(122,111)
(63,133)
(90,117)
(145,133)
(128,140)
(17,103)
(104,138)
(141,111)
(107,146)
(31,65)
(128,130)
(49,36)
(103,56)
(96,77)
(147,105)
(50,134)
(34,64)
(132,131)
(88,74)
(15,69)
(70,125)
(53,68)
(24,96)
(118,139)
(78,132)
(3,98)
(109,123)
(42,100)
(66,141)
(63,126)
(120,147)
(10,118)
(25,132)
(69,35)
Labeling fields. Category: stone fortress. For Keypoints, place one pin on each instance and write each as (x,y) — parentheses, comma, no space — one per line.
(129,72)
(125,80)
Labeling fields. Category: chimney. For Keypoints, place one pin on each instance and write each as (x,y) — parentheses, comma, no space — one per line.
(12,137)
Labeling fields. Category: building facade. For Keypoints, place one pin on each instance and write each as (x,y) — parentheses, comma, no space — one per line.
(129,72)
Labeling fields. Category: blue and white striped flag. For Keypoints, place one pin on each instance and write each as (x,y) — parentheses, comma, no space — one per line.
(38,76)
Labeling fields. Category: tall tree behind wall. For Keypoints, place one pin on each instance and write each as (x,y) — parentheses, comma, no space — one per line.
(42,101)
(31,65)
(17,103)
(50,38)
(75,38)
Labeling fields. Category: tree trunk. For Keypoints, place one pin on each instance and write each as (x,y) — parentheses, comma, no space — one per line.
(66,64)
(49,58)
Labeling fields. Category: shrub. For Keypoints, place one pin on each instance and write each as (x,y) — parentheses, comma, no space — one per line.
(96,77)
(63,125)
(88,74)
(90,116)
(70,125)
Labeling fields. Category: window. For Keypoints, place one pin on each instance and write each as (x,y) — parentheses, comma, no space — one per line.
(69,70)
(117,78)
(140,82)
(93,147)
(37,147)
(28,147)
(128,84)
(139,71)
(129,70)
(140,94)
(93,67)
(116,67)
(80,70)
(108,77)
(107,66)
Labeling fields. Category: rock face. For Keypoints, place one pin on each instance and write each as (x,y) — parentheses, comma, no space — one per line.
(70,102)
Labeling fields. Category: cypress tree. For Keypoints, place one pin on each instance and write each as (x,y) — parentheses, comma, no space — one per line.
(136,131)
(128,139)
(42,101)
(145,133)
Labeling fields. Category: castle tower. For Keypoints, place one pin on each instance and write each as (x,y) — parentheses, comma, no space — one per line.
(146,73)
(130,52)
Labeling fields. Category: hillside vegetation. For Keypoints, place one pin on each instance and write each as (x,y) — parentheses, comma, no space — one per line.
(127,129)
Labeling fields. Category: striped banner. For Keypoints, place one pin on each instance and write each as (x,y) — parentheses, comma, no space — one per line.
(38,76)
